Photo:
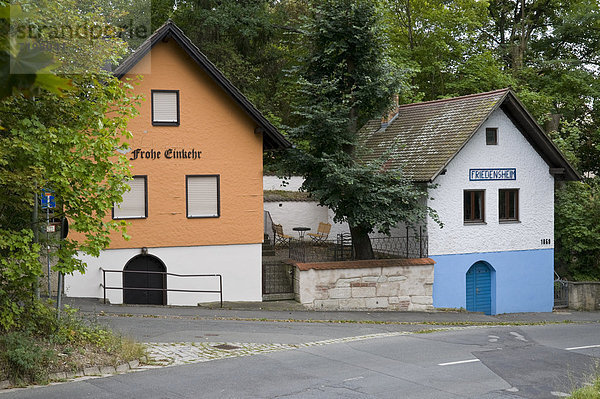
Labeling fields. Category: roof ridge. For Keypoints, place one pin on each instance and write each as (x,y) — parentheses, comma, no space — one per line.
(487,93)
(170,30)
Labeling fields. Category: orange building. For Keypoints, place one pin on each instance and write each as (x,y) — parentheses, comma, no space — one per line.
(196,200)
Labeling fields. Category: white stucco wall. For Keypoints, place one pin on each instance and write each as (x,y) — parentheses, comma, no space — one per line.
(291,214)
(240,266)
(536,196)
(277,183)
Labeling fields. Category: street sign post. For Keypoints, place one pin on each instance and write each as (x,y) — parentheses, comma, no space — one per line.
(48,201)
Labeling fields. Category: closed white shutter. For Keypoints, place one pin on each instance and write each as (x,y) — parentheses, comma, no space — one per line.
(134,201)
(165,106)
(202,196)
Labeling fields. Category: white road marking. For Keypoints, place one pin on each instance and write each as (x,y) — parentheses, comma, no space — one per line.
(582,347)
(560,394)
(355,378)
(459,362)
(513,389)
(518,336)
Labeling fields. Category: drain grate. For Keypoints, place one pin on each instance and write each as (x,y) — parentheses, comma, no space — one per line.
(226,347)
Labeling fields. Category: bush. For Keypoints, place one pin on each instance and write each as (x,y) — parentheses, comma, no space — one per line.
(40,343)
(25,360)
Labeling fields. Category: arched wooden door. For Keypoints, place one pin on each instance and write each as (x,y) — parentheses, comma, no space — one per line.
(142,264)
(479,288)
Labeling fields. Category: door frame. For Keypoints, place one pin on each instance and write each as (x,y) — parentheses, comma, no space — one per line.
(492,284)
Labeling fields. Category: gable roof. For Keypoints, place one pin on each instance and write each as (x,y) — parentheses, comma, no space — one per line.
(428,135)
(272,139)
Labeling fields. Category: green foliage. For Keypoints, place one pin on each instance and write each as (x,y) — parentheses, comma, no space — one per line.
(24,69)
(30,350)
(27,361)
(368,196)
(346,79)
(63,140)
(442,42)
(67,143)
(19,268)
(577,230)
(247,40)
(591,391)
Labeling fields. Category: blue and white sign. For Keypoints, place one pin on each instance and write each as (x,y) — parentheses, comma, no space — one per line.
(48,200)
(493,174)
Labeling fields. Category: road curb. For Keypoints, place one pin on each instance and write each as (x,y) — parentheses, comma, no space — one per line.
(93,371)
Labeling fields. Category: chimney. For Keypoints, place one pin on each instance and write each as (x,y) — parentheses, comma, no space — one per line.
(391,114)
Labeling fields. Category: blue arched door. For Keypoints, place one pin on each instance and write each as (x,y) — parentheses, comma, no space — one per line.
(479,288)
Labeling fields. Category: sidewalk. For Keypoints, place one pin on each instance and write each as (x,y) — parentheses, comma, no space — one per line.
(291,310)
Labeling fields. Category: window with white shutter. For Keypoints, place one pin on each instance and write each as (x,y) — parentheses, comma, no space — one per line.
(202,193)
(165,107)
(134,204)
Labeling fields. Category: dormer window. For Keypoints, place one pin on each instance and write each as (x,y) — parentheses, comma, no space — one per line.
(491,136)
(165,107)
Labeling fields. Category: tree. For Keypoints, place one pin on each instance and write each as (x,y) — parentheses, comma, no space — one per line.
(577,230)
(444,44)
(66,141)
(22,68)
(345,80)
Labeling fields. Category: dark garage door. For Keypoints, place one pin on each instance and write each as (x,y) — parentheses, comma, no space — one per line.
(144,264)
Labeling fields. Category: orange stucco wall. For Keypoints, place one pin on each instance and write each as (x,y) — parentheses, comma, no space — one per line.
(211,122)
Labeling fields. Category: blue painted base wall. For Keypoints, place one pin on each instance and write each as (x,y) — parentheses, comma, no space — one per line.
(522,281)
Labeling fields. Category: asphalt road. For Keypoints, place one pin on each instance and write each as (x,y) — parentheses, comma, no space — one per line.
(544,361)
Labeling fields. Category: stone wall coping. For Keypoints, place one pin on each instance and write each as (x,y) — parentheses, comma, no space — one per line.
(363,264)
(584,282)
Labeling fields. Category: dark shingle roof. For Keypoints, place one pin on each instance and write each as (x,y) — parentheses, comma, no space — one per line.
(424,137)
(272,139)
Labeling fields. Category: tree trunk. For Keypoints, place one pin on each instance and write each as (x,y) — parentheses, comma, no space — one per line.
(361,243)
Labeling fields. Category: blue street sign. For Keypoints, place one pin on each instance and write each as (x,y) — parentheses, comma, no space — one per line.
(48,200)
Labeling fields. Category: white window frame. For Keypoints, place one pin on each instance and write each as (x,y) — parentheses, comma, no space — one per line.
(129,195)
(190,213)
(165,122)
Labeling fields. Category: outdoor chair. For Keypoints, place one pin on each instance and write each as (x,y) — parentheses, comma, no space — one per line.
(322,232)
(280,238)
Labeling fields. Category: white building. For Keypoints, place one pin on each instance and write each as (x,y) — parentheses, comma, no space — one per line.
(492,171)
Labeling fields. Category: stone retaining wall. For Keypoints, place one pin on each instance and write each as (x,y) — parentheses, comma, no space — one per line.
(390,284)
(584,295)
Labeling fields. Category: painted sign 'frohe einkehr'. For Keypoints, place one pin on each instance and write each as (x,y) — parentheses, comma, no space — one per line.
(493,174)
(170,153)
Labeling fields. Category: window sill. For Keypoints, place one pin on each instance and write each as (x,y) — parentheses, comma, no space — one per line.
(130,217)
(165,123)
(474,223)
(508,221)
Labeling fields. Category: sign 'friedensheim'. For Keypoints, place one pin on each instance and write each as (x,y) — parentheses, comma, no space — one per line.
(493,174)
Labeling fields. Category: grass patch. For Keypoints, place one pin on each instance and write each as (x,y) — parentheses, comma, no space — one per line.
(42,344)
(588,392)
(430,330)
(377,322)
